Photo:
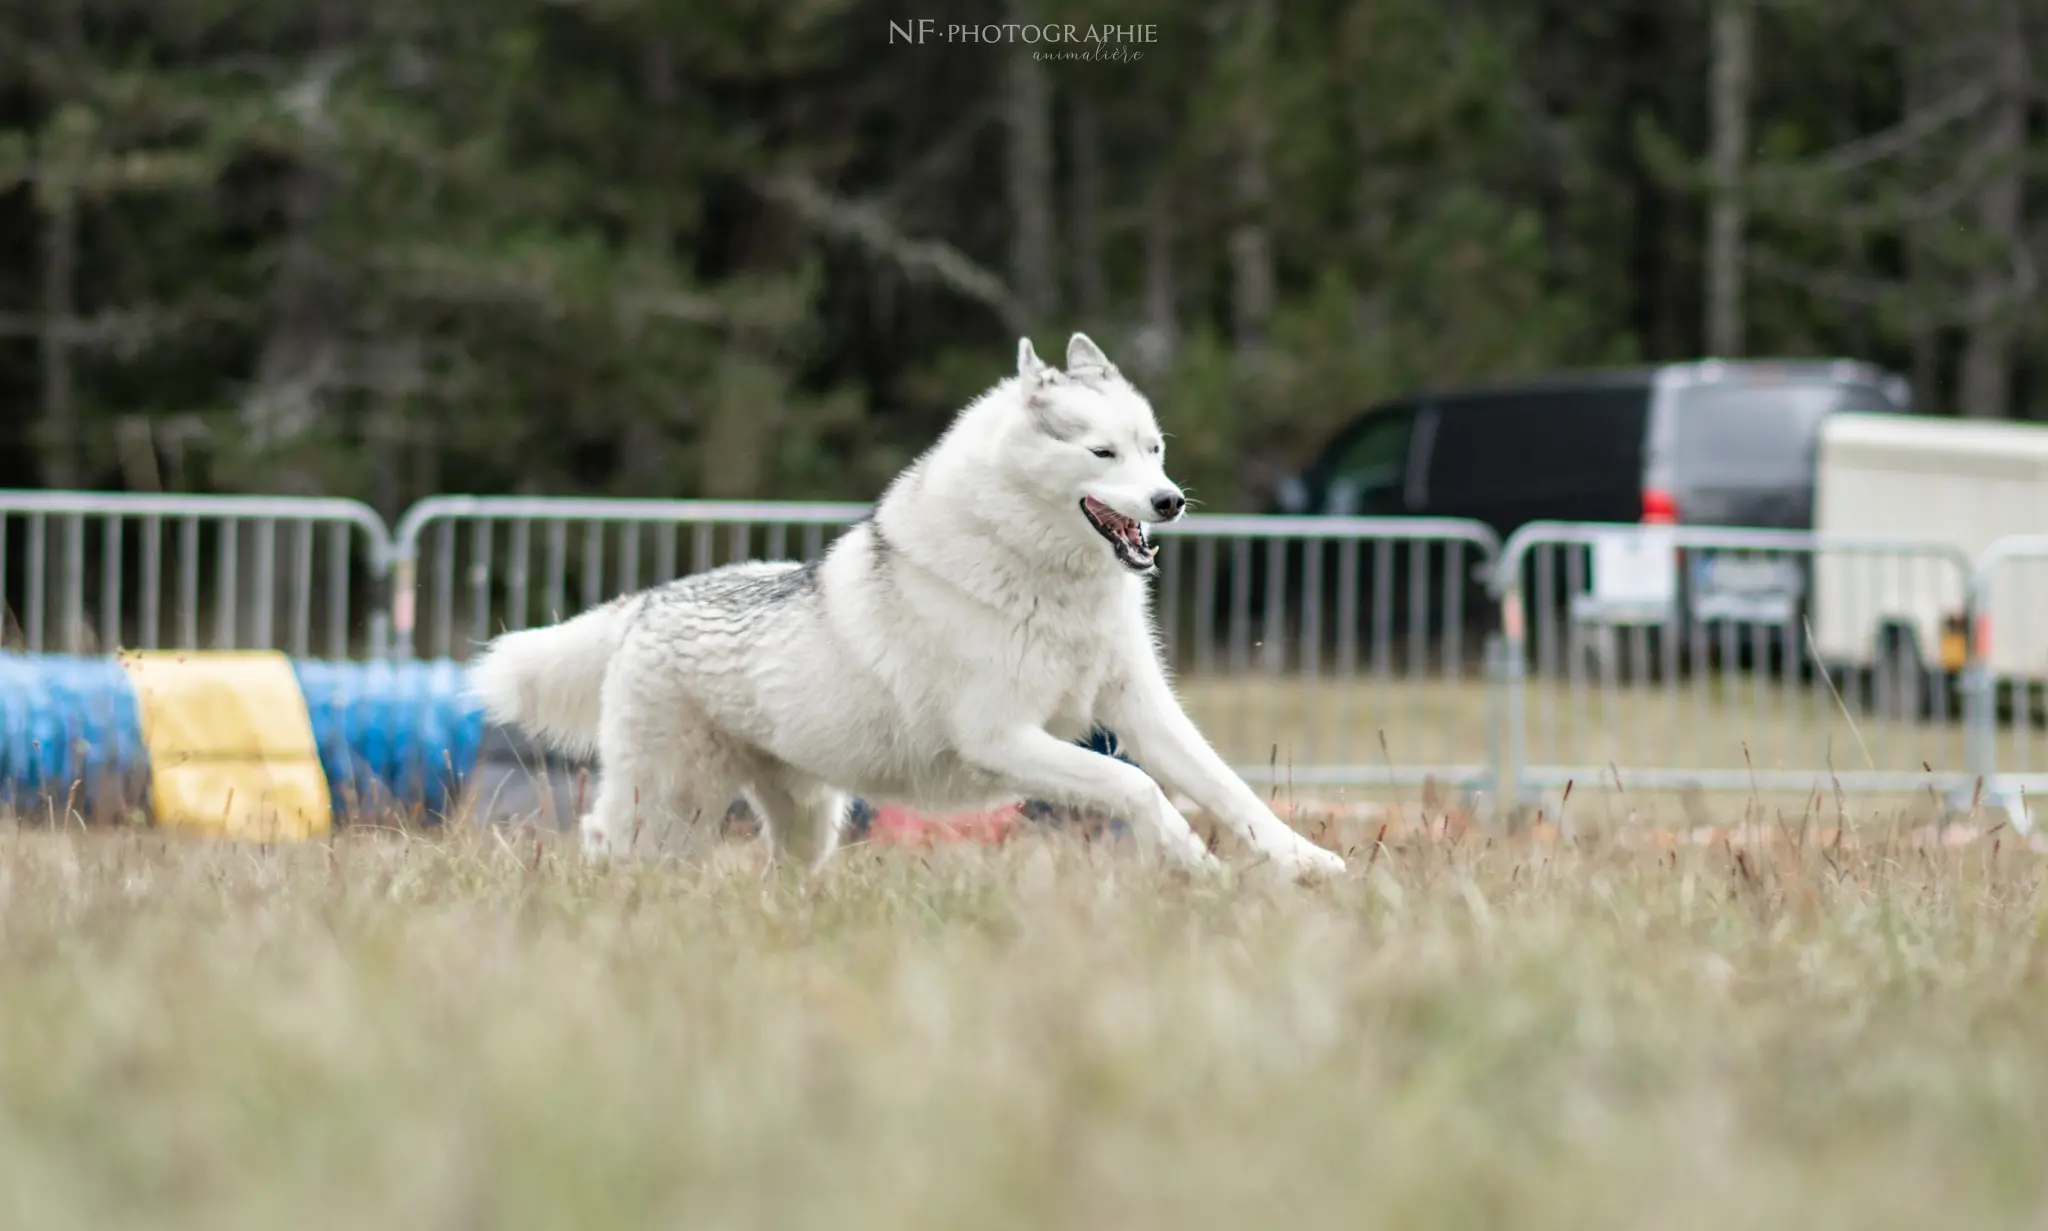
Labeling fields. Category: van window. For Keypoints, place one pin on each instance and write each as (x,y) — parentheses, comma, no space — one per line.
(1494,448)
(1864,400)
(1738,435)
(1365,472)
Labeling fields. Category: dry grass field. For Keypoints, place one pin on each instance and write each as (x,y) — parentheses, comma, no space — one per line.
(1714,722)
(470,1030)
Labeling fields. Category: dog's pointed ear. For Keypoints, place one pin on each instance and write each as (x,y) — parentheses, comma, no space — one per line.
(1083,355)
(1038,379)
(1030,368)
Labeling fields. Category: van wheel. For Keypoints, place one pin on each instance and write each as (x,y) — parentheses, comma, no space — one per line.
(1899,684)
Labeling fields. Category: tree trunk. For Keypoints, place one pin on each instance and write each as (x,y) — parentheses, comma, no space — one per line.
(59,317)
(1251,255)
(658,80)
(1085,242)
(1158,343)
(1034,268)
(1924,84)
(400,380)
(646,465)
(58,196)
(301,358)
(1251,245)
(1986,379)
(1734,26)
(425,440)
(385,431)
(741,418)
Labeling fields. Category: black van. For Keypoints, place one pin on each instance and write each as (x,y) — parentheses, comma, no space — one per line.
(1703,443)
(1711,442)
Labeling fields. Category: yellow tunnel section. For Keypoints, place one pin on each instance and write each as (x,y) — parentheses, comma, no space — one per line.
(230,743)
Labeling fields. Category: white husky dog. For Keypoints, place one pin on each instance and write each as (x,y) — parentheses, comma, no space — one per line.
(944,653)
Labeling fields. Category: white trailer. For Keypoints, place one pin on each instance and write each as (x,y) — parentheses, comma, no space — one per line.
(1960,482)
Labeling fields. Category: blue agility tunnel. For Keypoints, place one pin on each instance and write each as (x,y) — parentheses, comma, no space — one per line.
(70,736)
(389,736)
(392,734)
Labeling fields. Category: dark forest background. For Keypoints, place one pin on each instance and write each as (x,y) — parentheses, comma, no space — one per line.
(386,248)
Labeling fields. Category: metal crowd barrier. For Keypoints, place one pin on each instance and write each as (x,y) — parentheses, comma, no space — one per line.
(1315,652)
(557,557)
(1322,652)
(2009,689)
(1296,640)
(82,572)
(1698,659)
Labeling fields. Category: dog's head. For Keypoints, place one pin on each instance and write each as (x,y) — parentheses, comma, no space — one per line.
(1089,443)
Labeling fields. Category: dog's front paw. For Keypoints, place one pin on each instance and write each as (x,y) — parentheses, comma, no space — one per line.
(597,847)
(1303,859)
(1193,854)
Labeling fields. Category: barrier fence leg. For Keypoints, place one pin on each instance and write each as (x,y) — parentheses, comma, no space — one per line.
(1980,743)
(1518,731)
(1506,738)
(1493,782)
(1510,669)
(1980,721)
(403,606)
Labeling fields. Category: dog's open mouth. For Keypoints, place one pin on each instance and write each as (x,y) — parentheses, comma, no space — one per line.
(1127,536)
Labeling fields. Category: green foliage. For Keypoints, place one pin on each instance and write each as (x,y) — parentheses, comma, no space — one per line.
(383,247)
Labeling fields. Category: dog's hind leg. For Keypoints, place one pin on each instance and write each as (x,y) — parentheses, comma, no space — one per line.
(804,819)
(653,815)
(664,788)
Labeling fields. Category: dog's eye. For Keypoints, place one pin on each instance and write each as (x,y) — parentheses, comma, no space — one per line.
(1158,449)
(1106,454)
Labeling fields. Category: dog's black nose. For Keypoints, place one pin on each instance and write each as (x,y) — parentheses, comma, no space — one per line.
(1169,504)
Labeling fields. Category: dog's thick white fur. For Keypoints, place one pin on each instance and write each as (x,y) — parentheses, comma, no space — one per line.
(943,653)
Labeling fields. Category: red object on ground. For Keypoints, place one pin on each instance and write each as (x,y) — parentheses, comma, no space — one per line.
(904,827)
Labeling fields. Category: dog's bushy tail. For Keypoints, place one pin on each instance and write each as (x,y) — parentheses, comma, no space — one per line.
(547,681)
